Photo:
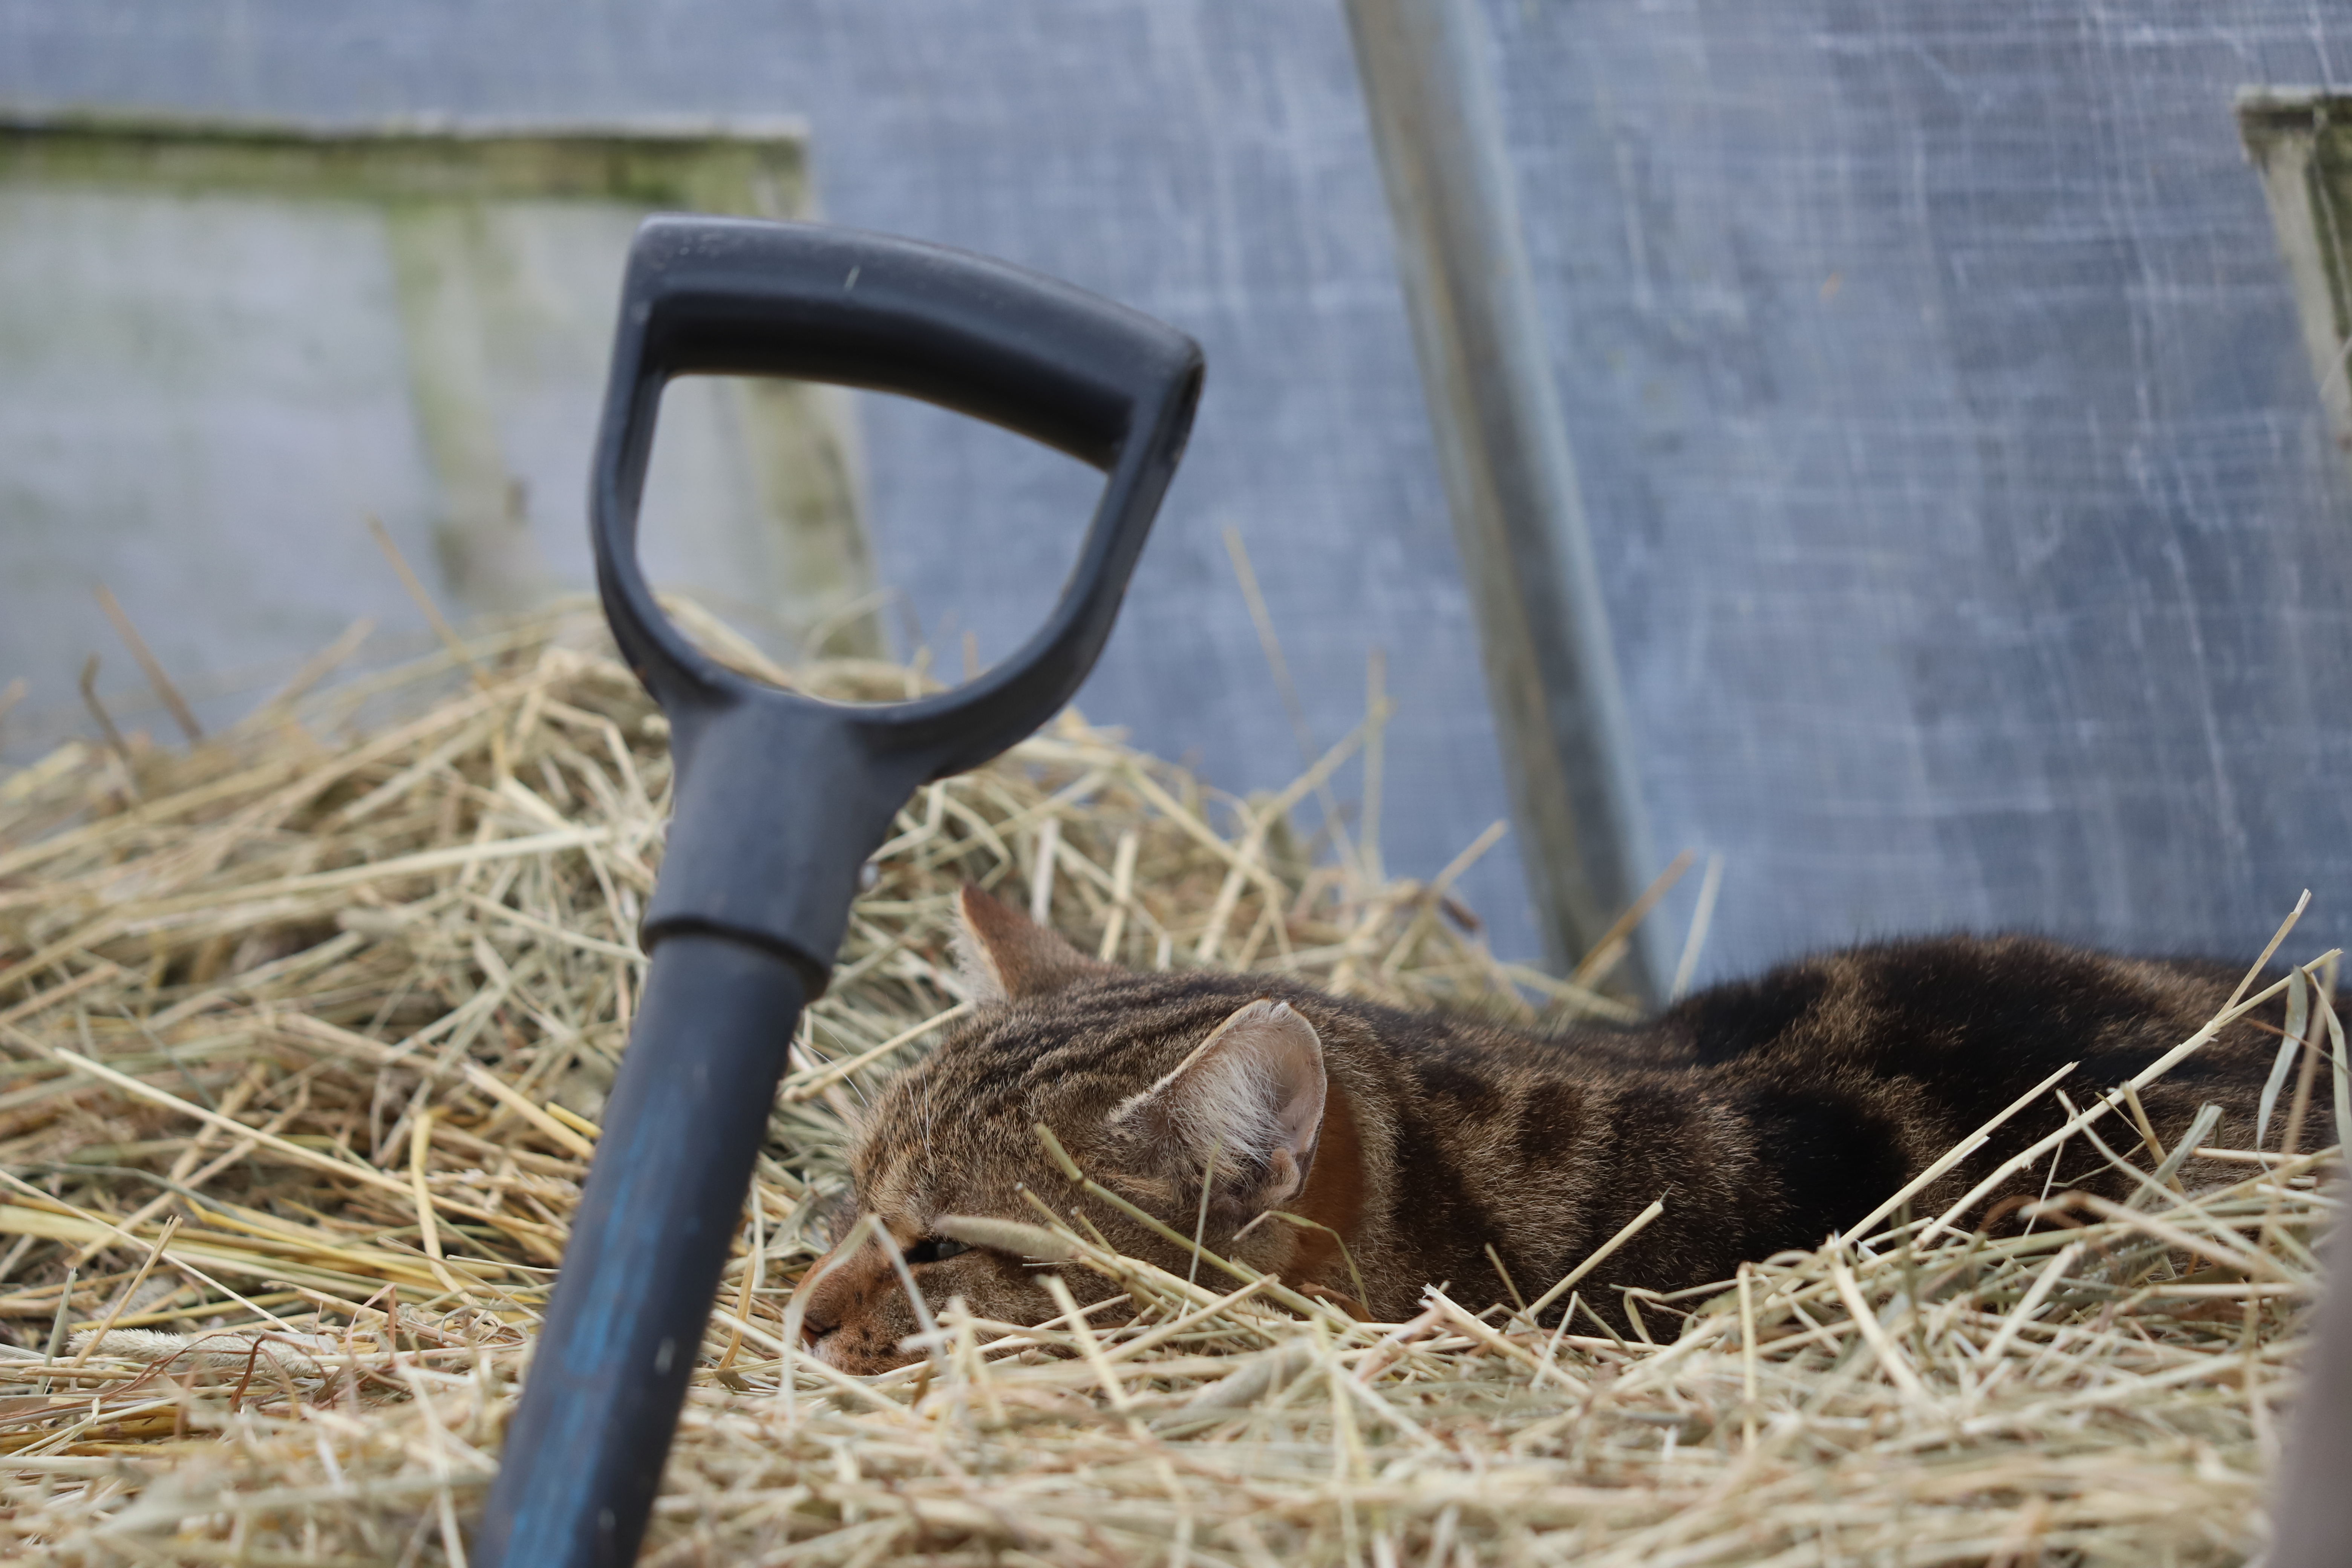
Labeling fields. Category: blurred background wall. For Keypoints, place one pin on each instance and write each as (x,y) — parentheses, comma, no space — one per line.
(1942,412)
(223,347)
(1206,163)
(1975,549)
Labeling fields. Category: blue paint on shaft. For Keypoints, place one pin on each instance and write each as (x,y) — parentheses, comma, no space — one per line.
(688,1112)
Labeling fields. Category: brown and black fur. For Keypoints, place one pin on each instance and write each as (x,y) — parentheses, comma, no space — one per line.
(1768,1113)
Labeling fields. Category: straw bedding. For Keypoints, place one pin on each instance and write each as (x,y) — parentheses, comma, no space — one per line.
(305,1029)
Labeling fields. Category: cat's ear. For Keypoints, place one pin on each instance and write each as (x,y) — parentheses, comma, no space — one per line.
(1003,955)
(1250,1096)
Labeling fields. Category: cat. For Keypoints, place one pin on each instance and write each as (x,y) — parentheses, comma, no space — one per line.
(1767,1112)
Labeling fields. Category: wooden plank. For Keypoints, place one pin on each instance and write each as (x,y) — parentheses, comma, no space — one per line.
(1510,479)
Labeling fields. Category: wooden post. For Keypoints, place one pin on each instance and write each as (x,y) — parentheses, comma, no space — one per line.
(1552,673)
(2311,1510)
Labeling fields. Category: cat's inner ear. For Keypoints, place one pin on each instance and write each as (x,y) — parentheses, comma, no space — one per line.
(1249,1099)
(1003,955)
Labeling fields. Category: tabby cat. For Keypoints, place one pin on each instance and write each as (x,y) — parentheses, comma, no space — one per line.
(1766,1112)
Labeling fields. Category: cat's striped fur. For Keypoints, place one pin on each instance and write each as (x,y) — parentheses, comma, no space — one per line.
(1766,1113)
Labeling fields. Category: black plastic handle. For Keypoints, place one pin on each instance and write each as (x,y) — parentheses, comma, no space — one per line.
(781,798)
(1102,382)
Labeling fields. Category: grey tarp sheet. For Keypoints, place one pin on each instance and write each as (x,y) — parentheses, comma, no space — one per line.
(1976,552)
(1979,554)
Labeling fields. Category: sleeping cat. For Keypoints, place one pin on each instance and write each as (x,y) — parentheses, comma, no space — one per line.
(1768,1113)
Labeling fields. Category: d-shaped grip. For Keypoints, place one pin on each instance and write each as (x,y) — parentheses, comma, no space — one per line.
(779,796)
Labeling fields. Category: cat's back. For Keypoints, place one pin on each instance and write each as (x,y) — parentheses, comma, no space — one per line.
(1975,1018)
(1968,1008)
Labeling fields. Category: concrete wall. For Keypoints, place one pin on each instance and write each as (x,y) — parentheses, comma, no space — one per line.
(223,352)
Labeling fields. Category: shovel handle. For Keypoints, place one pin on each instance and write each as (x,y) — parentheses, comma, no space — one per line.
(779,798)
(1109,385)
(584,1449)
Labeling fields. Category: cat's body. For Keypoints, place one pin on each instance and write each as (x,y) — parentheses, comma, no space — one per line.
(1765,1113)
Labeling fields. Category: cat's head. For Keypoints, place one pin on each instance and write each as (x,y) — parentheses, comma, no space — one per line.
(1158,1086)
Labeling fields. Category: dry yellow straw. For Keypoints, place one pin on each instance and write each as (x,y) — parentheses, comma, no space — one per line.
(324,1017)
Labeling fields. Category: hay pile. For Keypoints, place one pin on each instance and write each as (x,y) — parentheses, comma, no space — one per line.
(306,1033)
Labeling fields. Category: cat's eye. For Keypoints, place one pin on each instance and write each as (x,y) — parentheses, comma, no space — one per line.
(935,1249)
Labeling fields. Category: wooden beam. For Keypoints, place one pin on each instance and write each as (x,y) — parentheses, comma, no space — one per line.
(1510,480)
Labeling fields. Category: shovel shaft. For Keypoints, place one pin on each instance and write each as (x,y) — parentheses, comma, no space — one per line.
(780,798)
(685,1119)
